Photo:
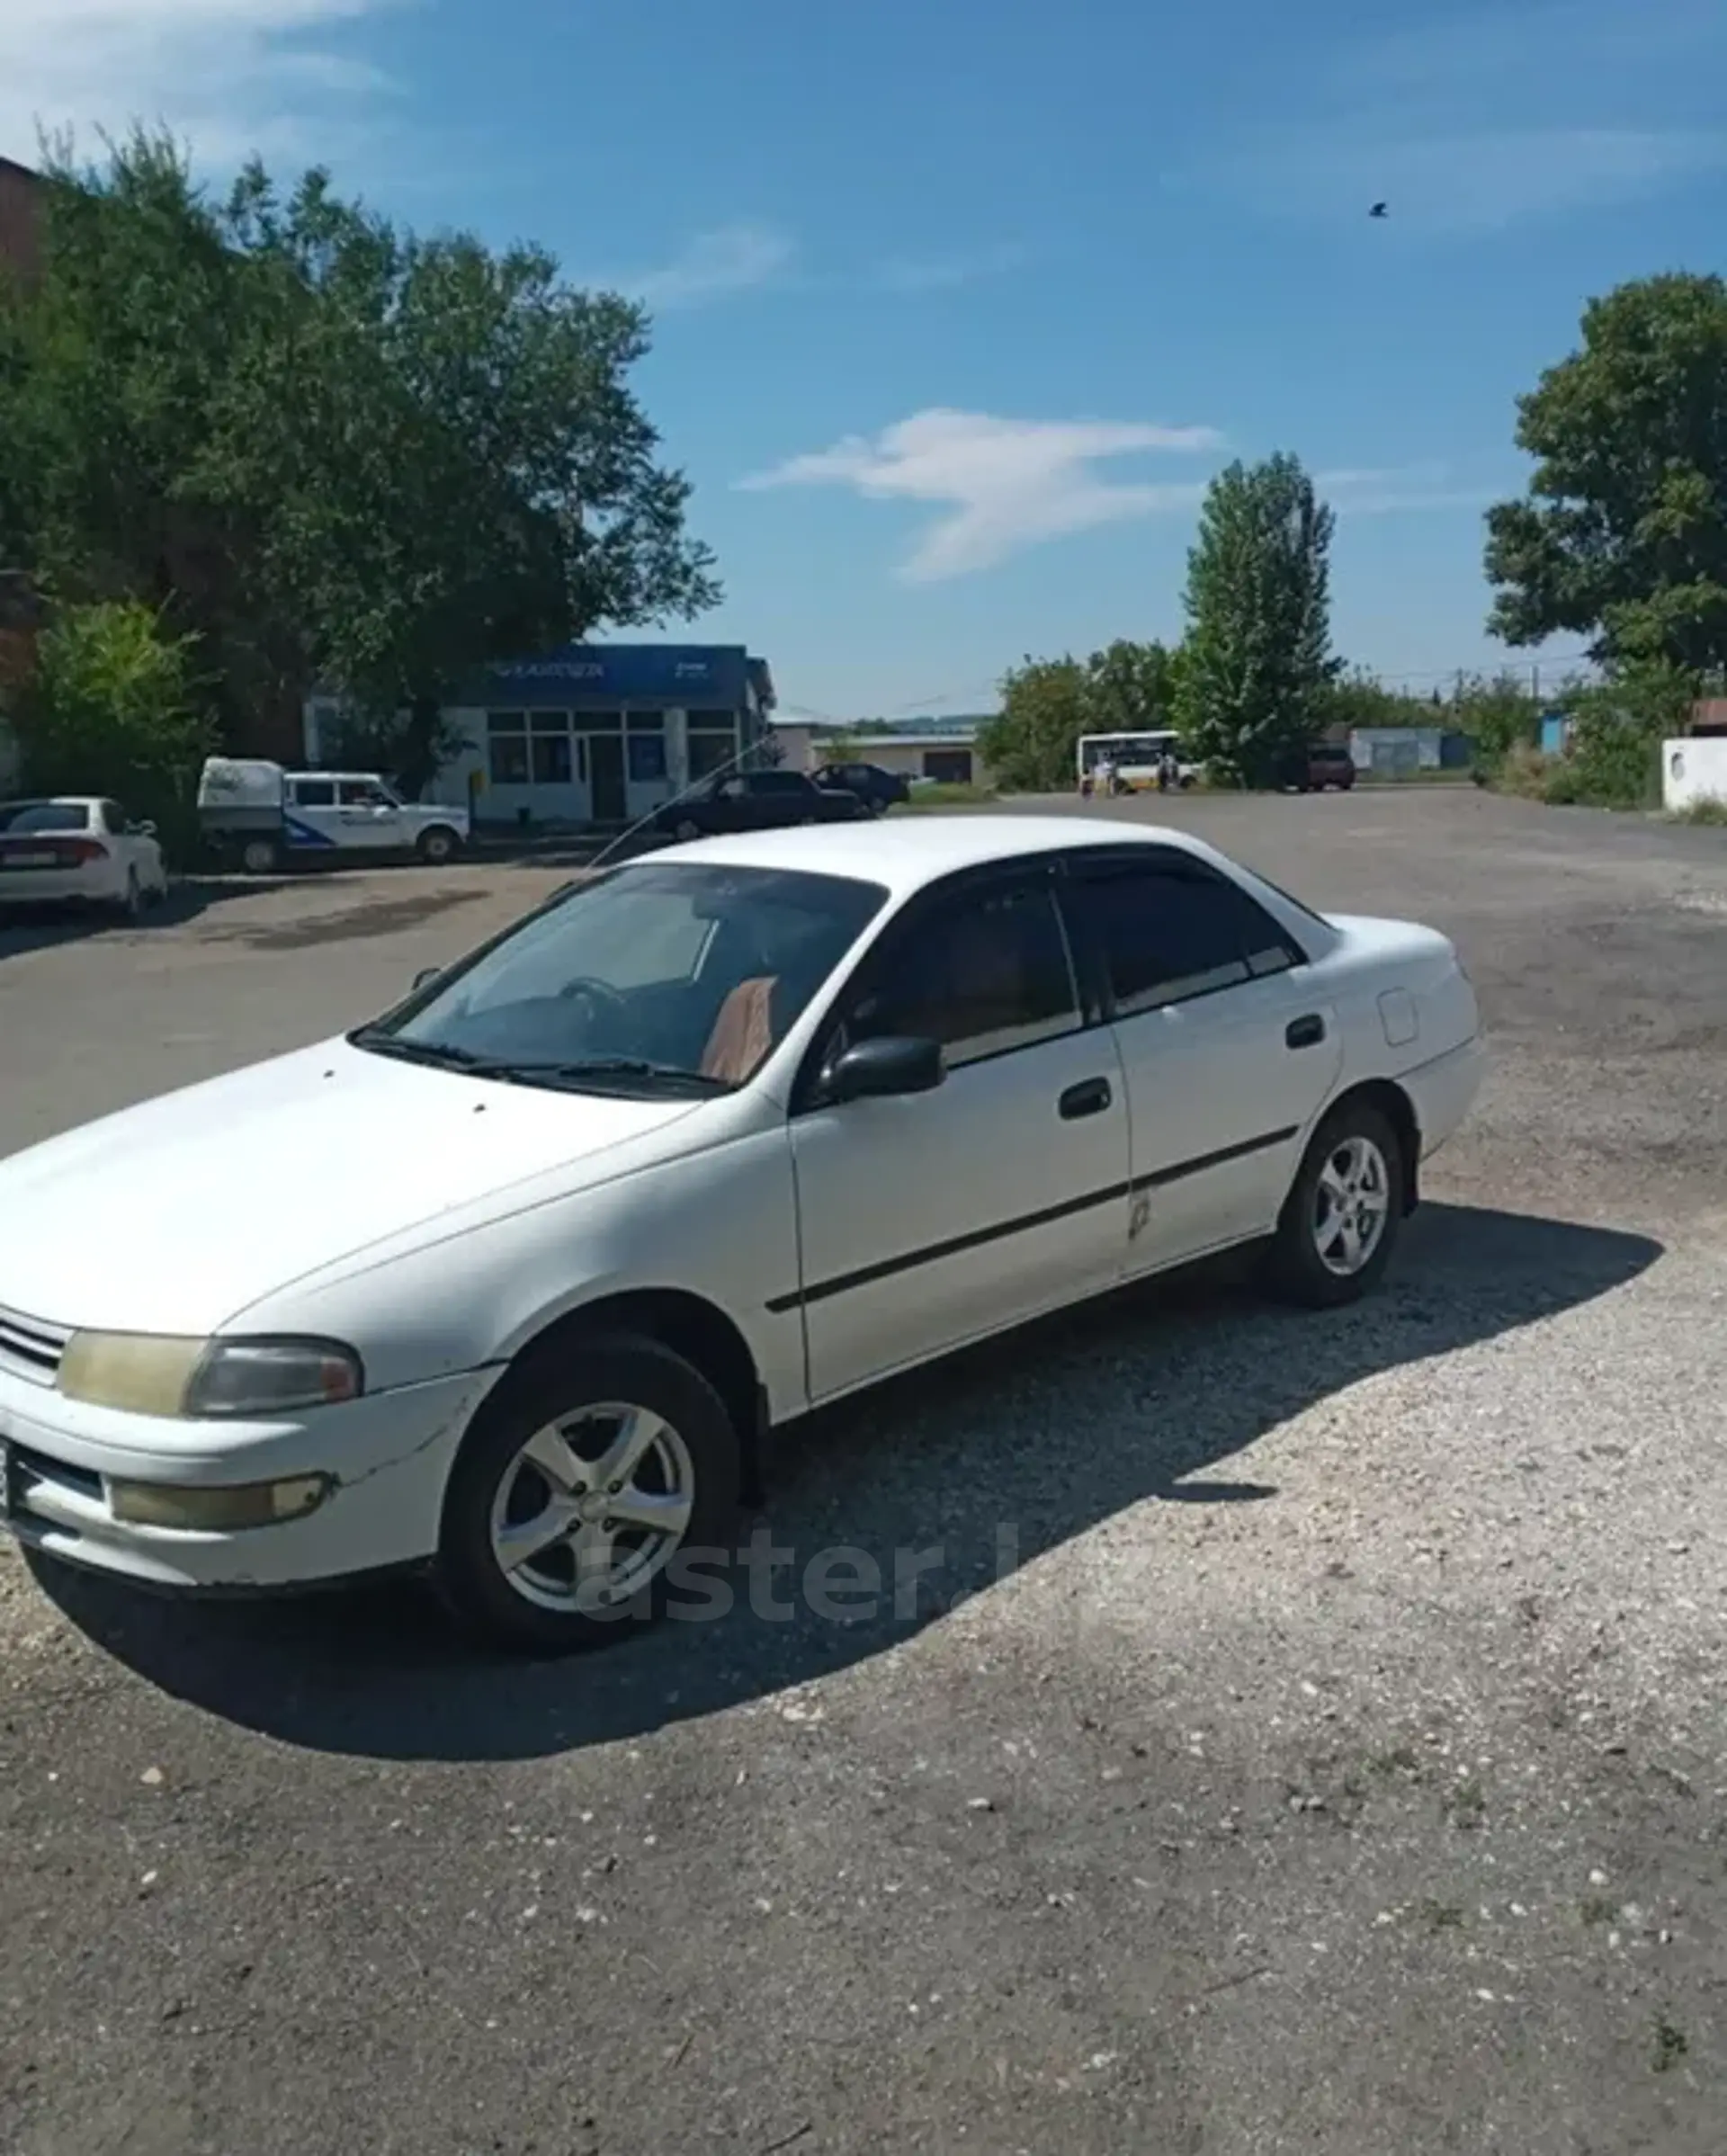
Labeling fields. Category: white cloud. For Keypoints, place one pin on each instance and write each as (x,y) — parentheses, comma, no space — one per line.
(915,273)
(734,258)
(1469,123)
(1467,184)
(229,76)
(1002,484)
(1395,490)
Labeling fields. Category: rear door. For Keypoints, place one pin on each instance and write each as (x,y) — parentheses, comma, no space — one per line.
(1229,1046)
(928,1221)
(311,814)
(780,797)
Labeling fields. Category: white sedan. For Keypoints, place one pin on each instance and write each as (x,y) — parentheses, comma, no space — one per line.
(513,1284)
(78,850)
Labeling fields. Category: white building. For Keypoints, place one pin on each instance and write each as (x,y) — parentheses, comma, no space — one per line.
(593,733)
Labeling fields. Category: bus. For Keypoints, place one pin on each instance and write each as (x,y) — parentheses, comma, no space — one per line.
(1135,758)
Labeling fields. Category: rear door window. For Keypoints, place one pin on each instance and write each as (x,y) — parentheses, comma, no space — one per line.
(1173,930)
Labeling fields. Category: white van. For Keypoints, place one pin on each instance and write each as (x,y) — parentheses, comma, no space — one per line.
(263,815)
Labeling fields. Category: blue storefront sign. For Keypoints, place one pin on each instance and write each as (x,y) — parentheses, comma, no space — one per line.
(600,676)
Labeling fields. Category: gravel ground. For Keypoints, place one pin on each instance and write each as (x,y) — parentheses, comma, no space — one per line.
(1308,1733)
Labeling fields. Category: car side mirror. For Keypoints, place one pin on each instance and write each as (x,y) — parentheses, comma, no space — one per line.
(883,1068)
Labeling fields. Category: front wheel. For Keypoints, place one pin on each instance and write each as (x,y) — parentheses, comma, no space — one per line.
(583,1482)
(437,845)
(258,856)
(1340,1223)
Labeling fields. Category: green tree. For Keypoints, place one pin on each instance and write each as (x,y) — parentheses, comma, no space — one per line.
(338,453)
(1130,688)
(1256,664)
(113,707)
(1029,745)
(1622,535)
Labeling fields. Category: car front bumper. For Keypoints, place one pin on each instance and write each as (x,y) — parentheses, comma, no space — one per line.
(387,1456)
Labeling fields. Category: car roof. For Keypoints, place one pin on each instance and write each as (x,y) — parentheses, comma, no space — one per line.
(53,800)
(905,853)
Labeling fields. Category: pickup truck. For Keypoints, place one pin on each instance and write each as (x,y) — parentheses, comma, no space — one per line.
(756,801)
(263,816)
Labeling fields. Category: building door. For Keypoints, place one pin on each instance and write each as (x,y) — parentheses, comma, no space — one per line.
(948,766)
(605,778)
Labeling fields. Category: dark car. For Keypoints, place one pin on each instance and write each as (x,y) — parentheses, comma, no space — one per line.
(756,801)
(1320,765)
(877,789)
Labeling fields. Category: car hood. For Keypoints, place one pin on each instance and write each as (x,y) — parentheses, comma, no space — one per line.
(175,1215)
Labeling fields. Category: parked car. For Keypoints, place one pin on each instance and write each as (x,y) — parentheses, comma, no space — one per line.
(756,801)
(708,1139)
(263,815)
(78,850)
(1322,764)
(877,789)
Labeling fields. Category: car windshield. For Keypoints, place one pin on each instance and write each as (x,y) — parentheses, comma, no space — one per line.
(19,818)
(653,978)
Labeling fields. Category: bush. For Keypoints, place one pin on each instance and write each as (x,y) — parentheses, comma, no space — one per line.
(112,708)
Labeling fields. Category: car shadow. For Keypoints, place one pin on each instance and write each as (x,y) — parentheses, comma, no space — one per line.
(24,929)
(988,1461)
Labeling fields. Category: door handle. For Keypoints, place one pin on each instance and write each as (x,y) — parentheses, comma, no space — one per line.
(1090,1096)
(1305,1031)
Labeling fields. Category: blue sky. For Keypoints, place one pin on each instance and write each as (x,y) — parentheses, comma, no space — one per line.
(958,302)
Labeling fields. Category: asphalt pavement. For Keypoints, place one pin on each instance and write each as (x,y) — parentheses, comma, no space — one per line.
(1265,1733)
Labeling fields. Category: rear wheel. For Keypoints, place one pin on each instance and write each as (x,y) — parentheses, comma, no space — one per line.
(258,856)
(1340,1223)
(579,1486)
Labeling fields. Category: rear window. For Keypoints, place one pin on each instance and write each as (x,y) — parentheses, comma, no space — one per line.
(19,818)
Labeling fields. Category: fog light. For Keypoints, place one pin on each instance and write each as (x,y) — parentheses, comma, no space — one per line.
(216,1511)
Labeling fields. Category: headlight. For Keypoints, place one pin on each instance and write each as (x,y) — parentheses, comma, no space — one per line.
(143,1373)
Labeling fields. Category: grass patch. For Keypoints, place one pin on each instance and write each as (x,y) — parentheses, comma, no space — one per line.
(1713,812)
(1670,2045)
(1595,1909)
(1467,1805)
(1401,1760)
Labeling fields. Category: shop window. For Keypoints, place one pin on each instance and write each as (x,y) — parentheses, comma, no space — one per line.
(647,757)
(507,759)
(552,765)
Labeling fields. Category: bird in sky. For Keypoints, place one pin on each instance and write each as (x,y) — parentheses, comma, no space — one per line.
(1378,209)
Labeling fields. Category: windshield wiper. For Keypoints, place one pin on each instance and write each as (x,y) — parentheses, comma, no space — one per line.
(600,1072)
(384,1043)
(605,1070)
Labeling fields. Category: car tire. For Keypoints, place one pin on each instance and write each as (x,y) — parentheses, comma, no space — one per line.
(438,845)
(538,1605)
(258,856)
(689,828)
(1353,1166)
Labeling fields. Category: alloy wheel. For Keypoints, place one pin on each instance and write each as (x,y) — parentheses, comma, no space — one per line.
(593,1508)
(1351,1203)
